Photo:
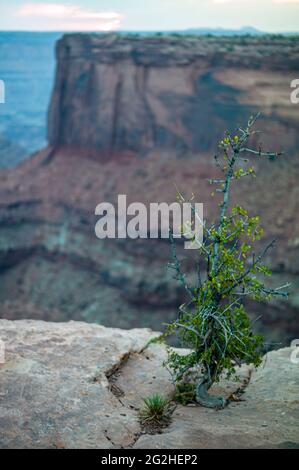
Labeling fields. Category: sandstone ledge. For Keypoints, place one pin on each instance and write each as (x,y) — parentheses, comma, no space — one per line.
(55,392)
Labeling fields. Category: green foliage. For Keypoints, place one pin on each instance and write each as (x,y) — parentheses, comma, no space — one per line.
(214,324)
(156,410)
(184,393)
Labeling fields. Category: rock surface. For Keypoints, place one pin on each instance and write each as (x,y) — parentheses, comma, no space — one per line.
(76,385)
(54,389)
(267,416)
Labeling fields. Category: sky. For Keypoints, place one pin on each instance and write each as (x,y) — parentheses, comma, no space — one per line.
(109,15)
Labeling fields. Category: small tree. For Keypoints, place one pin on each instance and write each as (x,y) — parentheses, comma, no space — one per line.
(214,325)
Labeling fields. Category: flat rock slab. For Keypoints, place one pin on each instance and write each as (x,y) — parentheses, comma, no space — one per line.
(78,385)
(143,374)
(53,386)
(267,418)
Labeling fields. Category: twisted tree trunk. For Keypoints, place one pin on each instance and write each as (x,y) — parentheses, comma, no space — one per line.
(203,398)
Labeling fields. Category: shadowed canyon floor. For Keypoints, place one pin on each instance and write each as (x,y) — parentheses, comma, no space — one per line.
(54,268)
(56,392)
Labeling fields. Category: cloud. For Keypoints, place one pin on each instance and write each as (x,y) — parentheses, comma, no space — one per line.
(248,1)
(286,1)
(230,1)
(72,16)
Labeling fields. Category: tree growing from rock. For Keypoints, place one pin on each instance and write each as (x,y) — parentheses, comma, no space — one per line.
(214,324)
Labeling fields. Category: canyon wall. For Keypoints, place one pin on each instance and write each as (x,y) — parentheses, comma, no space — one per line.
(131,94)
(141,116)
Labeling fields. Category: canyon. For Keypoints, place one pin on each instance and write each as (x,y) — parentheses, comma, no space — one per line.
(141,116)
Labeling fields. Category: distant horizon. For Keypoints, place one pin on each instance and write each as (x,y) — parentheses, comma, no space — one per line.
(193,28)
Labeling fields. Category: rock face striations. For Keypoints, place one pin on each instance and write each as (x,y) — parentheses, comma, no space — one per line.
(138,116)
(132,94)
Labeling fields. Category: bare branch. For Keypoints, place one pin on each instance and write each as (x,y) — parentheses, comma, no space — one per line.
(176,265)
(259,153)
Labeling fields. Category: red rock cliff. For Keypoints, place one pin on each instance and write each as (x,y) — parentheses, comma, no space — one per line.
(115,93)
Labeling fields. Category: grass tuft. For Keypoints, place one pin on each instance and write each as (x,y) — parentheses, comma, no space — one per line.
(156,410)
